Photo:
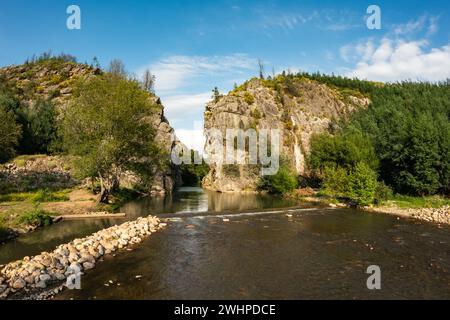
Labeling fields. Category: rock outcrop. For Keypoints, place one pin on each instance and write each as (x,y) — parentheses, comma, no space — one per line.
(297,107)
(54,80)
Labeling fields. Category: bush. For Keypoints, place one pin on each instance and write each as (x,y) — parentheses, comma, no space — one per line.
(362,185)
(335,181)
(10,133)
(383,193)
(359,185)
(281,183)
(40,128)
(248,98)
(36,217)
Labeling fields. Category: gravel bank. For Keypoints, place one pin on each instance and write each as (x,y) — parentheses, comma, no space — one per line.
(32,275)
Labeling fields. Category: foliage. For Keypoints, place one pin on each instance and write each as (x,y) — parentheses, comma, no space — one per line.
(409,128)
(383,193)
(249,98)
(216,95)
(403,201)
(117,68)
(108,127)
(193,174)
(49,57)
(35,217)
(362,185)
(39,128)
(345,150)
(284,181)
(10,132)
(358,184)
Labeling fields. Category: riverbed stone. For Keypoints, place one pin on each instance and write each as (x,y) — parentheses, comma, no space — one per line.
(19,284)
(88,265)
(80,254)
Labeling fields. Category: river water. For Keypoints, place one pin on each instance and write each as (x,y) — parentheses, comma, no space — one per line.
(219,246)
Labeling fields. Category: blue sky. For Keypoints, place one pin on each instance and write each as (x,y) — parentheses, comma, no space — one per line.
(193,46)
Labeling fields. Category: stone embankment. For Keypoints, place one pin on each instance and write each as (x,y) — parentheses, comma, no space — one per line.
(435,215)
(30,276)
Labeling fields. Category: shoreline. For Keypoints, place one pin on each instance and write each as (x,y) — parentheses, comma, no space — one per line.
(433,215)
(43,276)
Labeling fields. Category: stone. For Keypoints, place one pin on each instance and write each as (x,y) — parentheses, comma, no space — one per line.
(88,265)
(19,284)
(37,272)
(45,277)
(30,279)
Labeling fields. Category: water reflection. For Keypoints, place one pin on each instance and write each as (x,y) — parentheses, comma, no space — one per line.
(183,200)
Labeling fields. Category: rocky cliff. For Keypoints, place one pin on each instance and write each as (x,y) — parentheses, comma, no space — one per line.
(54,80)
(297,106)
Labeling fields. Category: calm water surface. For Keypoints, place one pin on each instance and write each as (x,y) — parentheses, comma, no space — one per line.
(312,253)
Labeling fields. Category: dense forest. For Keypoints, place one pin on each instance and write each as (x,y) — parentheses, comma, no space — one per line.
(403,138)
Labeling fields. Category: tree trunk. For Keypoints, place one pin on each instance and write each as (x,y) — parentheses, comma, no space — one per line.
(104,193)
(107,186)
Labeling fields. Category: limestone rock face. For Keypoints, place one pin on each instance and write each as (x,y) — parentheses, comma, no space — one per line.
(298,109)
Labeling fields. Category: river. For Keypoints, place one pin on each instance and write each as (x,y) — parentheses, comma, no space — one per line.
(219,246)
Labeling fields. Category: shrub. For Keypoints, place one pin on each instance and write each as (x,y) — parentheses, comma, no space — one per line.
(284,181)
(248,98)
(359,185)
(335,181)
(383,193)
(10,133)
(40,128)
(36,217)
(362,185)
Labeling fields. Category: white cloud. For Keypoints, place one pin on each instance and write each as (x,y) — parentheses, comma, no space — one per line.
(286,21)
(175,72)
(425,23)
(395,60)
(186,104)
(193,139)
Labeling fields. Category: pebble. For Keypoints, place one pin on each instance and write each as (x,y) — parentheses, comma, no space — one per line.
(79,255)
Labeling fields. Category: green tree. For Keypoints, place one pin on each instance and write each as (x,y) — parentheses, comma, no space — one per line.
(109,127)
(284,181)
(346,150)
(39,127)
(362,185)
(10,132)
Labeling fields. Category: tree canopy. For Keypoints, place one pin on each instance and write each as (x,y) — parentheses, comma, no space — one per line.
(108,125)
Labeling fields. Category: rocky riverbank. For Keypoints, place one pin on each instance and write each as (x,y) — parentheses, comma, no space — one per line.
(34,275)
(434,215)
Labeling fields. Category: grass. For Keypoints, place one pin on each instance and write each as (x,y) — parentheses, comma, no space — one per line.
(43,195)
(35,217)
(406,202)
(20,161)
